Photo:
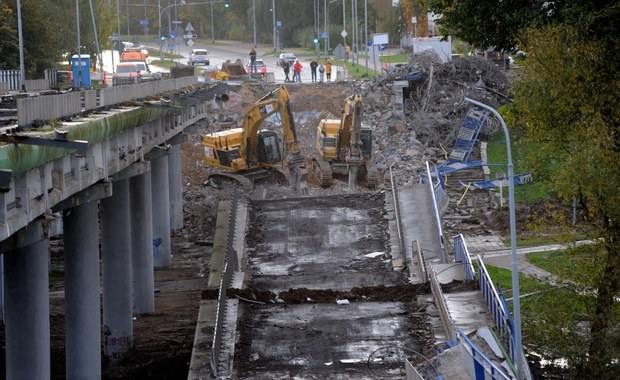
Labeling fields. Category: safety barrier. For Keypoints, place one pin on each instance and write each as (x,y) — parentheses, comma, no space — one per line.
(480,367)
(461,255)
(499,311)
(73,103)
(232,265)
(435,192)
(401,240)
(12,79)
(444,314)
(419,256)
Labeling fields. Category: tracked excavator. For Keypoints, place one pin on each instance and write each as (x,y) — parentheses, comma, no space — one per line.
(251,154)
(344,147)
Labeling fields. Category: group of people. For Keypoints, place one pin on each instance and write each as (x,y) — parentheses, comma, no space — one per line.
(323,69)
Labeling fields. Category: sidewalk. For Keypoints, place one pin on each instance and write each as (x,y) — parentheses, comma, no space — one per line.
(494,252)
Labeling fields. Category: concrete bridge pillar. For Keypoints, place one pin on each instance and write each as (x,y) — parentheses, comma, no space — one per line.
(26,287)
(116,269)
(176,187)
(142,243)
(161,211)
(82,301)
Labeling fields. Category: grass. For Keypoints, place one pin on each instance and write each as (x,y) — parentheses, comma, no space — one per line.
(581,264)
(395,58)
(496,154)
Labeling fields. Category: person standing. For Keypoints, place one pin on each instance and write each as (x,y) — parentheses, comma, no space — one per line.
(328,70)
(287,68)
(313,66)
(253,61)
(321,72)
(297,71)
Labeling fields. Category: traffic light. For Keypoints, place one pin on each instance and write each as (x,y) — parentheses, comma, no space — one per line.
(316,40)
(226,5)
(162,38)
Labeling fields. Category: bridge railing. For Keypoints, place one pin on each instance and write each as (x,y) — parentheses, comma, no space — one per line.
(10,81)
(461,255)
(73,103)
(499,310)
(444,314)
(231,266)
(438,194)
(479,361)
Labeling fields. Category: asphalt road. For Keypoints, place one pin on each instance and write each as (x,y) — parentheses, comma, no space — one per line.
(225,50)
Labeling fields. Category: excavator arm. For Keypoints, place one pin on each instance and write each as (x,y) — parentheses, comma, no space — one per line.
(252,121)
(351,131)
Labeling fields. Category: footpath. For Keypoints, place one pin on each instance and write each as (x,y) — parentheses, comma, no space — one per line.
(494,252)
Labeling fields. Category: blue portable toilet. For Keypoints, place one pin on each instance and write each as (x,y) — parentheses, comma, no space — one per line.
(82,61)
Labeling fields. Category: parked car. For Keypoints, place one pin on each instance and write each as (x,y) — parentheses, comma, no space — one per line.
(198,57)
(127,73)
(261,68)
(145,72)
(290,57)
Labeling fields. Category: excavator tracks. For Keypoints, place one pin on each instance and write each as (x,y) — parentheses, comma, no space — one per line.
(322,171)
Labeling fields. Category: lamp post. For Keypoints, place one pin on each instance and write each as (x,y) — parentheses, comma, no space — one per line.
(273,12)
(519,356)
(254,20)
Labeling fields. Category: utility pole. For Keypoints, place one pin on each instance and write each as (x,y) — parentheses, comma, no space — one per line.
(344,24)
(273,13)
(254,19)
(22,69)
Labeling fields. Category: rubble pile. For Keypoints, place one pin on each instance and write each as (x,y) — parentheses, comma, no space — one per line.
(423,126)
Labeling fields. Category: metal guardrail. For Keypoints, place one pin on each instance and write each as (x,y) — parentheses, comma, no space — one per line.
(73,103)
(401,242)
(417,252)
(10,81)
(229,268)
(444,255)
(461,255)
(499,311)
(480,361)
(444,314)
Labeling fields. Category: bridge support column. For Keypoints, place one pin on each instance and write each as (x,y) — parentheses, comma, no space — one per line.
(82,310)
(27,304)
(116,269)
(176,187)
(161,212)
(142,243)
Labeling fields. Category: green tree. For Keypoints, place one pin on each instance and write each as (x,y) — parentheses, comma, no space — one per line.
(567,104)
(488,23)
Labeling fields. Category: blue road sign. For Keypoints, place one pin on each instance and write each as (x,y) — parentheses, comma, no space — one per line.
(381,47)
(144,22)
(325,35)
(278,24)
(171,34)
(171,46)
(369,43)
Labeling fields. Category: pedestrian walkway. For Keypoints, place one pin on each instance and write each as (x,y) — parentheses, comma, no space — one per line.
(494,252)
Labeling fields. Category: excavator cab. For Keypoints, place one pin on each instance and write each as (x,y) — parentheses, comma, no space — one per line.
(268,148)
(251,153)
(366,140)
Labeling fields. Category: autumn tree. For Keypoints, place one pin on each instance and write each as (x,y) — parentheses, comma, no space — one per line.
(567,103)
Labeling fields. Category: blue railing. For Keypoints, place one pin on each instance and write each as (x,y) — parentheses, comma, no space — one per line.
(482,367)
(499,311)
(461,255)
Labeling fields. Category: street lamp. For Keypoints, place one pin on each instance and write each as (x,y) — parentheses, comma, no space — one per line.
(519,356)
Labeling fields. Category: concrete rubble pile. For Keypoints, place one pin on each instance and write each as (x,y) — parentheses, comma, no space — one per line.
(425,126)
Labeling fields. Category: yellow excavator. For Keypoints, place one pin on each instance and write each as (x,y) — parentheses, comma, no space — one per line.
(344,147)
(250,154)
